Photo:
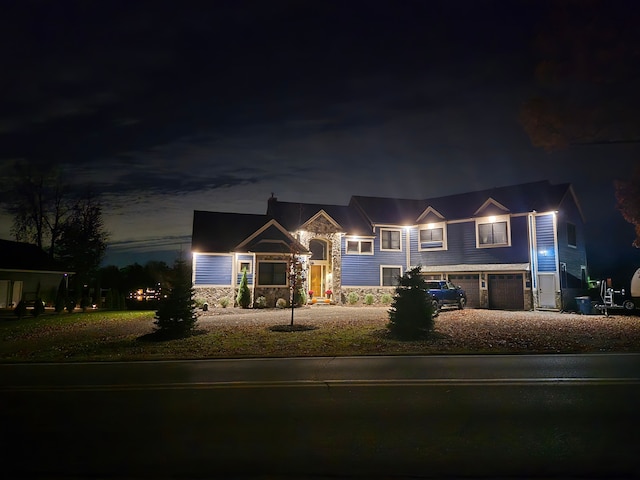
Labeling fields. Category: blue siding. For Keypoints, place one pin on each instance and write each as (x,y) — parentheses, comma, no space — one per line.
(213,269)
(364,270)
(246,258)
(576,256)
(461,241)
(546,250)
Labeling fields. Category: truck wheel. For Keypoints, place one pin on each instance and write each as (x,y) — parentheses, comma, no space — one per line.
(461,303)
(436,308)
(629,305)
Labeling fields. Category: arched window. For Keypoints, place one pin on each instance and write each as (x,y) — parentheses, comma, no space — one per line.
(318,249)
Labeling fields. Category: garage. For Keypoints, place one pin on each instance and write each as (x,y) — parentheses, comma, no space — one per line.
(471,285)
(506,291)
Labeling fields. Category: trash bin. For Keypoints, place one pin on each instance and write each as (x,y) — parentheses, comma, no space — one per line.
(584,305)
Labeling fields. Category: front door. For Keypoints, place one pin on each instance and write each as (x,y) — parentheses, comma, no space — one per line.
(546,290)
(317,280)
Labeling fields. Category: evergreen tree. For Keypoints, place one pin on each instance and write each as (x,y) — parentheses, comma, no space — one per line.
(244,294)
(61,296)
(176,315)
(411,314)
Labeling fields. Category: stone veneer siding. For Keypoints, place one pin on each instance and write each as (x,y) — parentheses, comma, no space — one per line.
(322,229)
(377,293)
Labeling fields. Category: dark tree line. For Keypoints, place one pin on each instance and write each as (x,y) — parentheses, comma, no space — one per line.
(64,221)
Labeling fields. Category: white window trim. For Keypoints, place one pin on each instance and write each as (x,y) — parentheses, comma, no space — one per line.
(257,276)
(382,267)
(496,219)
(359,240)
(249,270)
(399,230)
(443,226)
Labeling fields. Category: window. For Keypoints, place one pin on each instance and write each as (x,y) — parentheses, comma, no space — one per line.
(571,235)
(493,231)
(360,247)
(390,276)
(390,239)
(244,265)
(272,273)
(433,237)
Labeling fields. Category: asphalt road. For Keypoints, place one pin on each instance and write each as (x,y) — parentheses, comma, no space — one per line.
(363,417)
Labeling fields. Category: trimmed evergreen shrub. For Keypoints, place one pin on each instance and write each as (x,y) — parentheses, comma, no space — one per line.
(61,296)
(38,308)
(244,294)
(176,315)
(411,314)
(386,298)
(21,309)
(281,303)
(224,302)
(261,302)
(368,299)
(353,298)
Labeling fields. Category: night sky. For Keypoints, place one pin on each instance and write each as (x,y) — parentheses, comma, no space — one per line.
(167,107)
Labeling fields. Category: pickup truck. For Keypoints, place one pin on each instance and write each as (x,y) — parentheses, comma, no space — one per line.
(445,293)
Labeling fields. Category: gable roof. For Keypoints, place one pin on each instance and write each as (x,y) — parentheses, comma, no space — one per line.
(27,257)
(293,215)
(271,237)
(527,197)
(229,232)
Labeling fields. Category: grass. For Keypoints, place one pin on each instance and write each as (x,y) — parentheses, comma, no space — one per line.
(115,336)
(106,336)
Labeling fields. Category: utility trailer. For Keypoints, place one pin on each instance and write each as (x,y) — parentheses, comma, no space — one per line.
(612,299)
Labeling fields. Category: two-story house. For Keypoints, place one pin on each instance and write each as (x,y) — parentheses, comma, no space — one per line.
(516,247)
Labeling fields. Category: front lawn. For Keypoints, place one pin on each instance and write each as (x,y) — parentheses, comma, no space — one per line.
(341,331)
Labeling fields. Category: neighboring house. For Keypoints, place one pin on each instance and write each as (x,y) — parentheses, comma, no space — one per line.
(27,272)
(517,247)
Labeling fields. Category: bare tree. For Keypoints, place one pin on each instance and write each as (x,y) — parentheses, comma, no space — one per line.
(40,204)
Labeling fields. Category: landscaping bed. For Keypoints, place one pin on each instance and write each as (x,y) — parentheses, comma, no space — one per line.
(324,331)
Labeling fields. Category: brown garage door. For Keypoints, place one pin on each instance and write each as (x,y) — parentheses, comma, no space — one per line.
(471,285)
(506,292)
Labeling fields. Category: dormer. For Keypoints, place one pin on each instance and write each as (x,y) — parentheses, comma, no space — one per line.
(432,230)
(491,207)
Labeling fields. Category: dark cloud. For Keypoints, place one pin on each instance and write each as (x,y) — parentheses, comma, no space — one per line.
(167,107)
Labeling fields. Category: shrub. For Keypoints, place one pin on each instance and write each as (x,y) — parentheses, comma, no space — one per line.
(368,299)
(281,303)
(261,302)
(85,302)
(300,297)
(21,309)
(411,314)
(224,302)
(353,298)
(244,294)
(176,316)
(61,296)
(71,305)
(38,307)
(386,298)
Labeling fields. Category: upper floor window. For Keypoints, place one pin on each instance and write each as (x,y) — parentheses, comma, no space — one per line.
(571,235)
(360,247)
(433,237)
(390,239)
(493,231)
(272,273)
